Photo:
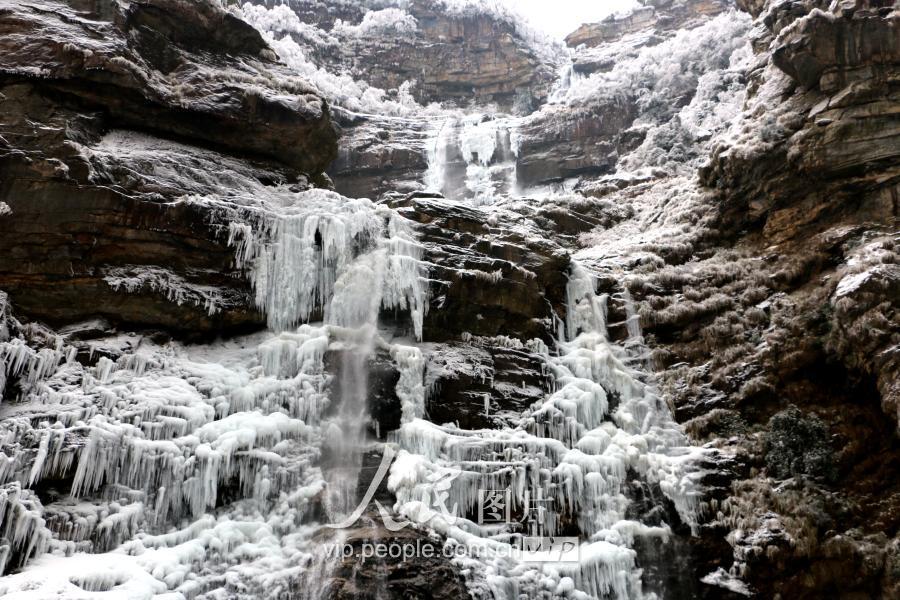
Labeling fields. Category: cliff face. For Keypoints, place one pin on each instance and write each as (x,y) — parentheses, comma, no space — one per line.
(89,200)
(698,222)
(466,56)
(617,93)
(466,59)
(654,14)
(802,307)
(830,165)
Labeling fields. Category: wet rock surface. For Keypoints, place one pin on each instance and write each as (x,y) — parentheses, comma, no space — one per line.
(564,143)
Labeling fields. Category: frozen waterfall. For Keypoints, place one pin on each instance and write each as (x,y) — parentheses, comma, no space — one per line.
(473,157)
(602,425)
(169,470)
(181,456)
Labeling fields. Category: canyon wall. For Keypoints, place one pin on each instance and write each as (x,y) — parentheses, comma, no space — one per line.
(690,215)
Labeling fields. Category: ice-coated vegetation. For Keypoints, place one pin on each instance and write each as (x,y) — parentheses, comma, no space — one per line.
(282,28)
(297,42)
(660,73)
(388,21)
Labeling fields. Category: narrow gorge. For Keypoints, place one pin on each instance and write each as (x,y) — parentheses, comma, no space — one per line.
(415,299)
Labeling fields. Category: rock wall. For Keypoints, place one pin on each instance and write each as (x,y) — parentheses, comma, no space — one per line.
(89,199)
(475,59)
(655,14)
(793,300)
(378,155)
(836,129)
(468,58)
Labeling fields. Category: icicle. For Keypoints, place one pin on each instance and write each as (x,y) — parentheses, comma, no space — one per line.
(568,448)
(411,385)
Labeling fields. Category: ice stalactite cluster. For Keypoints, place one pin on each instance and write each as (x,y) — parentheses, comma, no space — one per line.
(602,425)
(317,252)
(473,157)
(161,281)
(197,468)
(23,533)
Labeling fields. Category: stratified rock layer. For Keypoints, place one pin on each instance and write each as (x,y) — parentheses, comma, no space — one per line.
(796,302)
(659,14)
(466,57)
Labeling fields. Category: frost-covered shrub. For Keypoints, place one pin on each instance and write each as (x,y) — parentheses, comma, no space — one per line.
(301,45)
(796,443)
(660,74)
(389,21)
(718,422)
(686,89)
(683,139)
(280,21)
(281,28)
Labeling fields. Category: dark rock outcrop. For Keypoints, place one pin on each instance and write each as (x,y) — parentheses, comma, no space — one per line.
(89,205)
(378,155)
(480,383)
(359,576)
(658,14)
(564,142)
(487,279)
(154,79)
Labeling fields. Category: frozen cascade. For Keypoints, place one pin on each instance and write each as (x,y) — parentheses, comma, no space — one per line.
(213,455)
(473,158)
(572,448)
(154,439)
(217,455)
(200,471)
(304,252)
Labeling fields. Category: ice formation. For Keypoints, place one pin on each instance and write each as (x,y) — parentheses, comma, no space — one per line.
(573,448)
(197,470)
(222,442)
(317,251)
(473,157)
